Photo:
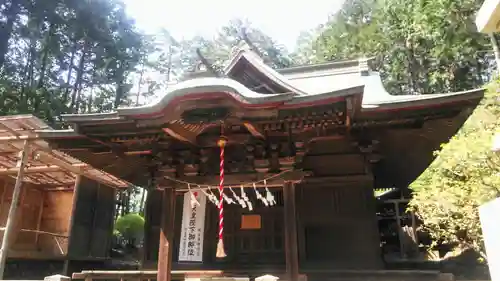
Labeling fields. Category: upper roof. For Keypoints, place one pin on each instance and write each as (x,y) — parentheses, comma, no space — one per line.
(45,166)
(267,104)
(250,83)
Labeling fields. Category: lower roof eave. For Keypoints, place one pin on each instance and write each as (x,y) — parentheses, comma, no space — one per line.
(425,101)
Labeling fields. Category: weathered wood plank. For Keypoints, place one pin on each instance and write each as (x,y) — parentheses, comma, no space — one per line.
(291,248)
(166,235)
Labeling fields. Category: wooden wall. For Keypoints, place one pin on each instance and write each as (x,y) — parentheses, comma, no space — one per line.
(337,229)
(56,218)
(92,222)
(47,211)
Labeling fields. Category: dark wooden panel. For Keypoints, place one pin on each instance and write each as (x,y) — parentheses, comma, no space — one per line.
(103,221)
(335,165)
(246,247)
(152,230)
(338,226)
(93,221)
(332,145)
(83,220)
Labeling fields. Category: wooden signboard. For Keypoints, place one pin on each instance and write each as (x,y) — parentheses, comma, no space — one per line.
(250,222)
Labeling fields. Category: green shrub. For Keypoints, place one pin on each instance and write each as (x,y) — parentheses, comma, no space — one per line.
(465,174)
(130,226)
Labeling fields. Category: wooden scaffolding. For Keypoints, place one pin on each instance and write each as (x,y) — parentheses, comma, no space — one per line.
(38,189)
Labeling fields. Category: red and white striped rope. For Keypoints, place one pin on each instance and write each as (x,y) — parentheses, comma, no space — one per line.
(221,192)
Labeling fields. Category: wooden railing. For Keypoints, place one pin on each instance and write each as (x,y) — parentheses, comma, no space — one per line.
(140,275)
(48,278)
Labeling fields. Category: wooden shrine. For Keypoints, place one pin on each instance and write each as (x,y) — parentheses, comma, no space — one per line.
(63,208)
(321,136)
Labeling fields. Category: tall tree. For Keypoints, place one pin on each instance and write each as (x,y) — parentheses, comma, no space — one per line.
(66,56)
(420,47)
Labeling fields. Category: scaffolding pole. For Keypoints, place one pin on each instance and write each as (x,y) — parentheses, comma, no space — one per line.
(21,163)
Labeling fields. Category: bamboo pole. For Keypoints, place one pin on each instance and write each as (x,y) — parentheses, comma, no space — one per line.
(13,208)
(40,232)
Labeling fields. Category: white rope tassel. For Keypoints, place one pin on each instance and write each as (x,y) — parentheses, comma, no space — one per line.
(244,196)
(227,199)
(194,201)
(259,196)
(211,196)
(269,195)
(239,199)
(214,197)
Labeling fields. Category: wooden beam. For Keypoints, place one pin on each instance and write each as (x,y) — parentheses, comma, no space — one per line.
(39,169)
(9,227)
(48,157)
(166,235)
(180,133)
(291,248)
(253,130)
(76,192)
(20,138)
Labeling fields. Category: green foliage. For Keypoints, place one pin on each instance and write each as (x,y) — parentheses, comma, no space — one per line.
(130,226)
(420,47)
(65,56)
(465,174)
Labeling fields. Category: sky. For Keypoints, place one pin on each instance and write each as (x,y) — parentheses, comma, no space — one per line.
(283,20)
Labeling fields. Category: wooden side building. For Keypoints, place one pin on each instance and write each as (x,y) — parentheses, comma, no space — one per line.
(332,127)
(64,208)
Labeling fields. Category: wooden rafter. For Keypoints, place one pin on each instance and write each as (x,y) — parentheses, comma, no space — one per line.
(44,165)
(38,169)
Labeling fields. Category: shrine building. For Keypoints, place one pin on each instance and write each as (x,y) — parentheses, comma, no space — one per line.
(305,146)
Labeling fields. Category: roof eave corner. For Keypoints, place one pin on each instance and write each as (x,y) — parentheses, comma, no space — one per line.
(235,59)
(365,65)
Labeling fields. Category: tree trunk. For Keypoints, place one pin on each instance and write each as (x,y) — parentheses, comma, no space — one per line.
(79,78)
(169,66)
(5,33)
(70,71)
(143,197)
(139,85)
(120,89)
(45,55)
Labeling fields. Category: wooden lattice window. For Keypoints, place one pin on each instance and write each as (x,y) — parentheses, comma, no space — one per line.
(256,245)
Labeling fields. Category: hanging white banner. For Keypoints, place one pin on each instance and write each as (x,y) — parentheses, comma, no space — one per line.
(193,227)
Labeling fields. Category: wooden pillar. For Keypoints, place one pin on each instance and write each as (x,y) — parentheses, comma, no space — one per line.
(21,163)
(76,192)
(146,245)
(166,235)
(291,248)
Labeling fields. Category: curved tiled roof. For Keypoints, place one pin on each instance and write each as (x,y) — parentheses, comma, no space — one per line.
(304,84)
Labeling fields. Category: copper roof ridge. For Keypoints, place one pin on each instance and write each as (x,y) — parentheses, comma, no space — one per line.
(257,62)
(329,64)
